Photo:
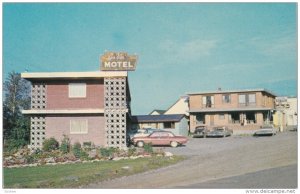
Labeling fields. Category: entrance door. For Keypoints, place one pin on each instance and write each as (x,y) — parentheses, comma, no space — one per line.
(212,120)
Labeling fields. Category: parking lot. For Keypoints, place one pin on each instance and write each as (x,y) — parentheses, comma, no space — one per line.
(213,159)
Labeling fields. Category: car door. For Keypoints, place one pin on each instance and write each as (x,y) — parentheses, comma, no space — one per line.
(165,138)
(154,138)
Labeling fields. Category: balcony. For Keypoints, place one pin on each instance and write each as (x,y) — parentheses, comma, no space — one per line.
(208,105)
(247,104)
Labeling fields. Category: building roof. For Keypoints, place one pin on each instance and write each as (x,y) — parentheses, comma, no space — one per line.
(63,111)
(73,75)
(156,118)
(205,110)
(232,91)
(159,111)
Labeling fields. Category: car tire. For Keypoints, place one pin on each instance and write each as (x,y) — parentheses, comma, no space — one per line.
(174,144)
(140,144)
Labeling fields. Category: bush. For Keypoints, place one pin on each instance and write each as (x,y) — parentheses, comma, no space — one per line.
(12,145)
(65,145)
(84,155)
(148,148)
(50,144)
(30,159)
(77,150)
(87,146)
(108,152)
(131,151)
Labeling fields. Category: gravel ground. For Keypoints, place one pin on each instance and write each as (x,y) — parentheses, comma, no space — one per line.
(211,159)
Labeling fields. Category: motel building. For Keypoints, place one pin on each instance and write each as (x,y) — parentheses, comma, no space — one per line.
(85,106)
(236,109)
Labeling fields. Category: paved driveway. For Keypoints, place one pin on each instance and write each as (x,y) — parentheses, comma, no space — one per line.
(211,159)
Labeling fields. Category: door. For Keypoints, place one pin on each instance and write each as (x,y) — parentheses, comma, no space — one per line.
(211,120)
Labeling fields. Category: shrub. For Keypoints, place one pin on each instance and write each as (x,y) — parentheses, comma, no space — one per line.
(77,149)
(148,148)
(12,145)
(29,159)
(84,155)
(65,145)
(50,144)
(87,146)
(108,152)
(131,151)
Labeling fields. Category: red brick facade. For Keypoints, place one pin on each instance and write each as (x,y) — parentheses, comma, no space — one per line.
(58,95)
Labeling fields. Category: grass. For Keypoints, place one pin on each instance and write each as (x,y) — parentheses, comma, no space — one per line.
(80,174)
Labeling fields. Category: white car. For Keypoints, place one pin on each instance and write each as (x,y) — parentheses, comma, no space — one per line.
(266,130)
(144,132)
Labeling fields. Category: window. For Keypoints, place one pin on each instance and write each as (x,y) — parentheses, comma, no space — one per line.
(221,116)
(169,125)
(252,99)
(79,126)
(247,99)
(77,90)
(242,99)
(226,98)
(208,101)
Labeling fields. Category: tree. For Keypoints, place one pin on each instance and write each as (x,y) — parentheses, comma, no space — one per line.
(16,98)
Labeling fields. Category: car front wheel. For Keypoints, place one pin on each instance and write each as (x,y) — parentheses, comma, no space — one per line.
(140,144)
(174,144)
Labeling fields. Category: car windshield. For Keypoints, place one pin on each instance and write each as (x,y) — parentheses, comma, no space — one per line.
(219,129)
(267,126)
(200,128)
(162,134)
(151,130)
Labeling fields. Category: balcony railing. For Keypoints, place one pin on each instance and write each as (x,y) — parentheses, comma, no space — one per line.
(208,105)
(247,104)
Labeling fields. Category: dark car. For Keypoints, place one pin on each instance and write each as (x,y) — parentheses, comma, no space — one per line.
(200,131)
(160,138)
(219,132)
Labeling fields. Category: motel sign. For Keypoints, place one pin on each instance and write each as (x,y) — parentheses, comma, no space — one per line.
(118,61)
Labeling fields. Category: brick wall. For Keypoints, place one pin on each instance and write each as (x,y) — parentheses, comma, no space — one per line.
(262,100)
(57,126)
(58,95)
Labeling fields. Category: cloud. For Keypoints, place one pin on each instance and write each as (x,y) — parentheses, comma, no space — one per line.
(187,51)
(284,46)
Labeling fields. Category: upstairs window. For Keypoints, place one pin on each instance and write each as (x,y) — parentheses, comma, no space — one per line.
(252,99)
(247,100)
(208,101)
(77,90)
(226,98)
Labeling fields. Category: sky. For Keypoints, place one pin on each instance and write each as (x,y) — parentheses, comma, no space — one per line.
(181,47)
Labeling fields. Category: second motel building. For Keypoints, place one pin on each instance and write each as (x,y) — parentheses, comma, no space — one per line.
(237,109)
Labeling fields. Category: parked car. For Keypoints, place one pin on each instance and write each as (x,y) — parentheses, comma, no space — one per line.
(160,138)
(139,133)
(144,132)
(219,132)
(200,131)
(266,130)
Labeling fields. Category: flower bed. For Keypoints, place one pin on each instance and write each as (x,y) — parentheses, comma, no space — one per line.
(26,158)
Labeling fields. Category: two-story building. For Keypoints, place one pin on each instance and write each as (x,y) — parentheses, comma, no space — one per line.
(85,106)
(237,109)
